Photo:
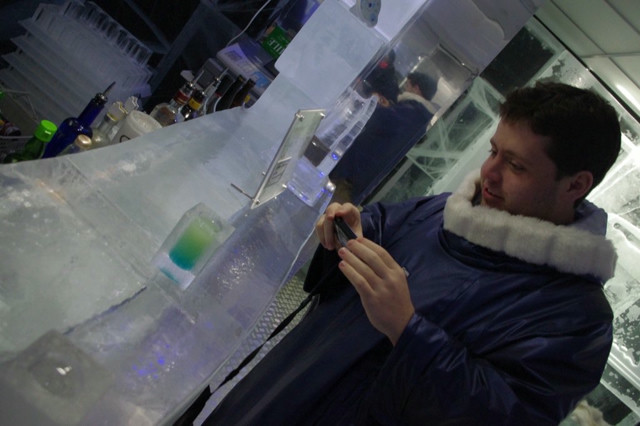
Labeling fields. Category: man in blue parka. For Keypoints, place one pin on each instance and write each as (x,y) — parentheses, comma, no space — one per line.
(481,307)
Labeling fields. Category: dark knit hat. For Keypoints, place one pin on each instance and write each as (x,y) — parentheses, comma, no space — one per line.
(383,80)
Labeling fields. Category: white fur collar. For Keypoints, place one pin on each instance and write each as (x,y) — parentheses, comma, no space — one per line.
(569,249)
(410,96)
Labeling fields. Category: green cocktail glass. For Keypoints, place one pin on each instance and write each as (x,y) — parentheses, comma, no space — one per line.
(193,242)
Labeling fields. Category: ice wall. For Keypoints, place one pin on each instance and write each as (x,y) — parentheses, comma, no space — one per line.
(127,346)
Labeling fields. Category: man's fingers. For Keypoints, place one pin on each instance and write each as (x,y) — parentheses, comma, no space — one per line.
(380,252)
(375,258)
(353,268)
(325,227)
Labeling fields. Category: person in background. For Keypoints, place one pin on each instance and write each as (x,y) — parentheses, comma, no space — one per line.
(421,87)
(480,307)
(397,123)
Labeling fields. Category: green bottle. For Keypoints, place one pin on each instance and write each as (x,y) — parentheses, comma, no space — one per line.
(34,147)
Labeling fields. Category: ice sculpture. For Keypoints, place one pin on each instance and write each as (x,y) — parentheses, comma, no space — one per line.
(77,286)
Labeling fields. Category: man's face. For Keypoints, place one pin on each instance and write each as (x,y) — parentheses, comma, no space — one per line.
(520,178)
(410,87)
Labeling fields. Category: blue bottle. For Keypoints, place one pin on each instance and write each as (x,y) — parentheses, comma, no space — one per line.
(71,127)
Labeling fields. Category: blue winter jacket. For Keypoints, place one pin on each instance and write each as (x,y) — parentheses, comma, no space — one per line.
(511,326)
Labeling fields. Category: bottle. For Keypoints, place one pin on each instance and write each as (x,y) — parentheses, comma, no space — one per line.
(102,133)
(220,90)
(80,144)
(192,109)
(165,113)
(225,101)
(243,93)
(131,104)
(34,147)
(71,127)
(210,92)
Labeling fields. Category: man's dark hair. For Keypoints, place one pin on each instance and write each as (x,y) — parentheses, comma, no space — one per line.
(426,84)
(583,127)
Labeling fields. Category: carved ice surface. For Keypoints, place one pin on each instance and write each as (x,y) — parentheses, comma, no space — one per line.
(618,194)
(55,382)
(50,257)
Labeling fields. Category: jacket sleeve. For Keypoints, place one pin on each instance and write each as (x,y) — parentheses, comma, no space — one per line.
(431,378)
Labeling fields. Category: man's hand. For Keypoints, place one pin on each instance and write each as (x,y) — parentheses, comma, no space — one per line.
(381,284)
(325,228)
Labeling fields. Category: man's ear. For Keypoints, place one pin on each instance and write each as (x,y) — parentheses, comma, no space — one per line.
(580,184)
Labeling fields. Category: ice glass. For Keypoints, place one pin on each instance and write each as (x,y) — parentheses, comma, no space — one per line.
(191,243)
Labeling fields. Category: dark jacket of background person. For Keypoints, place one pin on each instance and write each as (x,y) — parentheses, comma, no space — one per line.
(385,139)
(397,123)
(511,325)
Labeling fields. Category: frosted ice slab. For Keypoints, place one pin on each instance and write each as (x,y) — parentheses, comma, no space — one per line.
(56,268)
(52,382)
